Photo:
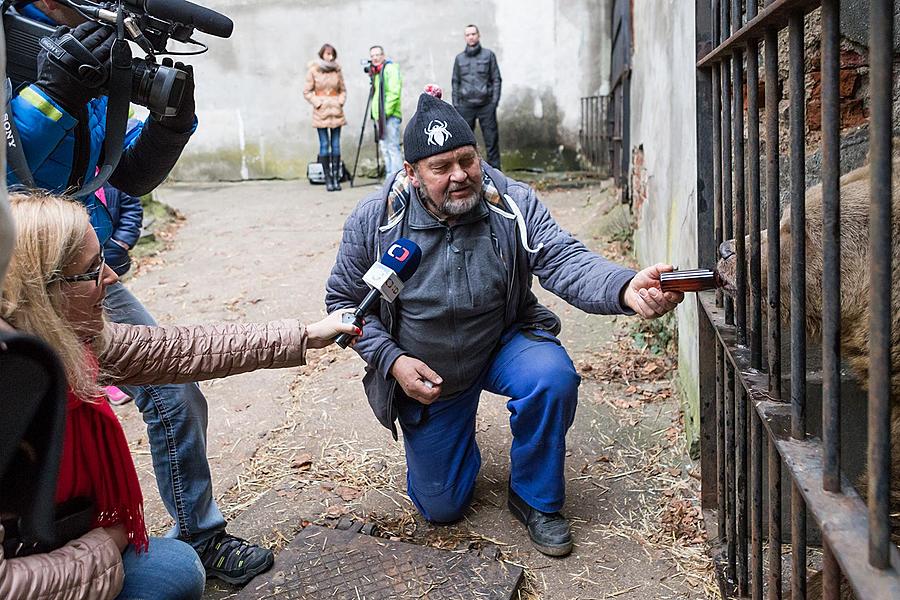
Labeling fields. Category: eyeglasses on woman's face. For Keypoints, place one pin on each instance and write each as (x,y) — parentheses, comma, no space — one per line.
(95,274)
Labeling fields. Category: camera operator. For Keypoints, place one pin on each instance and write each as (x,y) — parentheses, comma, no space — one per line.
(62,129)
(61,120)
(387,83)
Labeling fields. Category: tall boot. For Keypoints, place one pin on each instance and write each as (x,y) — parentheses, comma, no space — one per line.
(325,161)
(337,171)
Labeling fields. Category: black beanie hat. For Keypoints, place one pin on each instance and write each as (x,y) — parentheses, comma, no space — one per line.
(435,127)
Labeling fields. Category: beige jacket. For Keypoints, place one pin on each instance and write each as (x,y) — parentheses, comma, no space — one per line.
(87,568)
(325,90)
(139,354)
(90,567)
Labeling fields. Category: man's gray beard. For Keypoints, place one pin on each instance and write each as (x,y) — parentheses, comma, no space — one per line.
(455,208)
(452,207)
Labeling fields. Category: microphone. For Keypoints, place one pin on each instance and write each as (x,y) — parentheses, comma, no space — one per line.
(194,15)
(386,278)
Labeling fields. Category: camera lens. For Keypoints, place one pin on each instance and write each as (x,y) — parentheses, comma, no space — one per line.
(157,87)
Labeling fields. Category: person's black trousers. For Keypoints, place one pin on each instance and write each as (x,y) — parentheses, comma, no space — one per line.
(487,117)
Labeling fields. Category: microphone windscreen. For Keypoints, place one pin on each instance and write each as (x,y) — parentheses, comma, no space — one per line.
(403,257)
(188,13)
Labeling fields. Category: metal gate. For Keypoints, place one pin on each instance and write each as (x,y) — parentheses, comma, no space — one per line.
(619,110)
(593,136)
(748,423)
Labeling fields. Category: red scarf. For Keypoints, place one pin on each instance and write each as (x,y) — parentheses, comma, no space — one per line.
(96,463)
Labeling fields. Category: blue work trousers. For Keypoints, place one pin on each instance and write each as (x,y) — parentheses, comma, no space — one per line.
(176,418)
(535,372)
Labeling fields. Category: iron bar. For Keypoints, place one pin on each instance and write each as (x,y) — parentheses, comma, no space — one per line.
(727,214)
(741,407)
(708,350)
(773,216)
(722,481)
(774,577)
(755,328)
(756,521)
(797,95)
(831,574)
(774,15)
(741,467)
(730,475)
(831,243)
(798,544)
(881,44)
(798,224)
(592,107)
(740,211)
(717,163)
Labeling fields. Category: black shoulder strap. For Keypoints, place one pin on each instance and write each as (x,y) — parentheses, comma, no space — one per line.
(15,155)
(116,111)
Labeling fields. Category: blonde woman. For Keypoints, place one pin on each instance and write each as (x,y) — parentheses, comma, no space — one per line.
(54,289)
(325,90)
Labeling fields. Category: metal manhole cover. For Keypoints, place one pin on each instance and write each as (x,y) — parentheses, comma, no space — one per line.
(329,563)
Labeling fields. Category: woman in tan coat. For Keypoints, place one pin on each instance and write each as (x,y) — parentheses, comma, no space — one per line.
(54,290)
(325,90)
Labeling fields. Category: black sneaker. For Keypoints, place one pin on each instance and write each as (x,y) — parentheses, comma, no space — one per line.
(234,560)
(549,532)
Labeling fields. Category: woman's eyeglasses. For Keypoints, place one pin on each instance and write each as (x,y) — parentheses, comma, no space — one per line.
(93,275)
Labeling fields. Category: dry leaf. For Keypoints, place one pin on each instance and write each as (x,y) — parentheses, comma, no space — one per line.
(302,462)
(336,510)
(347,493)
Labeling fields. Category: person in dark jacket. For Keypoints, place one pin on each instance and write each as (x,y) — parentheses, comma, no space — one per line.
(62,120)
(476,91)
(127,215)
(468,321)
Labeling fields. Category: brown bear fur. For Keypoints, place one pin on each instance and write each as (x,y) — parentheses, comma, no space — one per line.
(854,278)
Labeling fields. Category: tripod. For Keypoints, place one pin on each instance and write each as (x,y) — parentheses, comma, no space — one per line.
(362,132)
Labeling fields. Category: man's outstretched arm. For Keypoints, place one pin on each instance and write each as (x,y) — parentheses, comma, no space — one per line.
(566,267)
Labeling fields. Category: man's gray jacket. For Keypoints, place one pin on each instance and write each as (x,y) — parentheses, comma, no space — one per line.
(529,242)
(476,78)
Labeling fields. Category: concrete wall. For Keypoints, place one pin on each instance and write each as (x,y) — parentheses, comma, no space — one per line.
(255,123)
(664,166)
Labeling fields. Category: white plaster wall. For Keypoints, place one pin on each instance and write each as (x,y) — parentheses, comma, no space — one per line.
(663,104)
(254,121)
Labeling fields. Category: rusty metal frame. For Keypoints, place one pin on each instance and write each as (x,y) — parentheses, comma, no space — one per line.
(745,425)
(594,134)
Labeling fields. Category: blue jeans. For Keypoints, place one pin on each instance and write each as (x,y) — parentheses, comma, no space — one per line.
(535,372)
(329,141)
(176,418)
(169,570)
(390,146)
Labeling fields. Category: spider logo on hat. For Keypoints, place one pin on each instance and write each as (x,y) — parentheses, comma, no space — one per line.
(437,133)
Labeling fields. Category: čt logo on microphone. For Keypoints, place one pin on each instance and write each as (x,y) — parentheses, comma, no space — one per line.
(398,252)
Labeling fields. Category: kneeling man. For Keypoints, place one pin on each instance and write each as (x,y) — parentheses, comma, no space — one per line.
(468,321)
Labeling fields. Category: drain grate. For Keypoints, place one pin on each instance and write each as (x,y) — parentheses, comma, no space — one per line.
(330,563)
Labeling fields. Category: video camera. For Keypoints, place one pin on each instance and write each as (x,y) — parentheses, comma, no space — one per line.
(148,23)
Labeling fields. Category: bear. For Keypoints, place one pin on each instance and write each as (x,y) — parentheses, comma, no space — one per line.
(854,301)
